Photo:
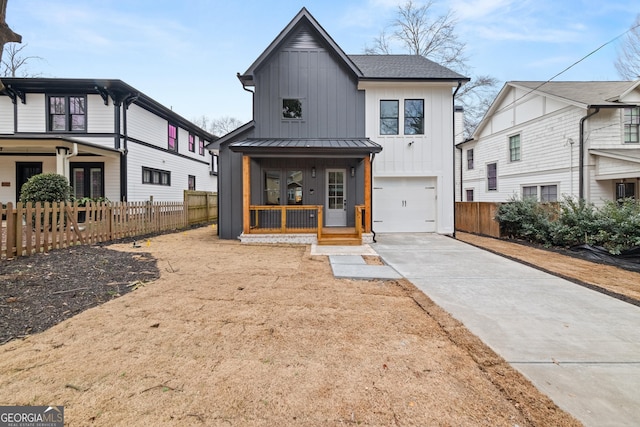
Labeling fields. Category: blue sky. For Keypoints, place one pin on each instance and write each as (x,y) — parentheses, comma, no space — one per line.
(185,54)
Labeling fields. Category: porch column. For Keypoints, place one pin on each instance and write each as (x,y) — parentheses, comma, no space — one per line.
(246,194)
(62,161)
(367,194)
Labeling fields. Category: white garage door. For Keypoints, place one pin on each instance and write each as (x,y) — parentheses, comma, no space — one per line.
(404,205)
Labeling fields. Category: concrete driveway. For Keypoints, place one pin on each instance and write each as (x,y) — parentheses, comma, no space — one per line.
(578,346)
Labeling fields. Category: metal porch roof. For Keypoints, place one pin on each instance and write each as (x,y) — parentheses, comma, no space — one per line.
(306,147)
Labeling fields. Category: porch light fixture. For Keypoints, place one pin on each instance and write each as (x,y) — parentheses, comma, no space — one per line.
(313,172)
(353,171)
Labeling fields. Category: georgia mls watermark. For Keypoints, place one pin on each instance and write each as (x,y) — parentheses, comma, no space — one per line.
(31,416)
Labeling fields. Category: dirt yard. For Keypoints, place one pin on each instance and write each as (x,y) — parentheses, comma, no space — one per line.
(240,335)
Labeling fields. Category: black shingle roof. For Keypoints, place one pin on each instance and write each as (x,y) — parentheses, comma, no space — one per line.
(402,67)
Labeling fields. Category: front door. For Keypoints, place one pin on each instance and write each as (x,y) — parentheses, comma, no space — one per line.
(336,203)
(24,171)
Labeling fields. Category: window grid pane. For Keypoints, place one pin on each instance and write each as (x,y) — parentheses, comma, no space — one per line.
(549,193)
(514,148)
(192,143)
(631,125)
(389,116)
(470,159)
(492,177)
(414,116)
(173,138)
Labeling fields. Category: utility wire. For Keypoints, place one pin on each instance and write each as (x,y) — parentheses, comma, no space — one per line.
(568,68)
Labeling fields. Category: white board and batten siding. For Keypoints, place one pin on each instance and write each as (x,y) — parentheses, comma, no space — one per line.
(413,182)
(6,118)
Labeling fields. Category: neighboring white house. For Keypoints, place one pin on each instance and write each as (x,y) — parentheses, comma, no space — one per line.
(553,139)
(106,137)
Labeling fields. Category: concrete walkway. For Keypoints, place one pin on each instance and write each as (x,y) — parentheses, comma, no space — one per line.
(578,346)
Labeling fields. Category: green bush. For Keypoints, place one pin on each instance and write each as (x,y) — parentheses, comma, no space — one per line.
(45,187)
(526,219)
(577,223)
(615,226)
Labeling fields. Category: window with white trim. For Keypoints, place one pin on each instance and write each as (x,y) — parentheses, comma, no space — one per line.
(631,125)
(470,159)
(492,177)
(514,148)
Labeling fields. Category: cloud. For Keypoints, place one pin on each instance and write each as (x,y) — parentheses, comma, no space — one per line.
(478,9)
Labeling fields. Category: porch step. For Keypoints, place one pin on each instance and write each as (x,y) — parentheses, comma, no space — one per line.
(342,236)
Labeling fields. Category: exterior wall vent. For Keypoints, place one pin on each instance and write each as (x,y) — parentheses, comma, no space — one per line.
(303,39)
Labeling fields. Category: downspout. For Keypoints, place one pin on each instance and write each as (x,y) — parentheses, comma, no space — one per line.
(453,117)
(373,156)
(581,160)
(124,173)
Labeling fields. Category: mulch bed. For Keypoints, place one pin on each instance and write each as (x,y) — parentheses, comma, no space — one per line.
(39,291)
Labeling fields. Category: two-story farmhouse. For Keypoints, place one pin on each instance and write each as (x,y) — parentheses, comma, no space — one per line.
(552,139)
(338,144)
(106,137)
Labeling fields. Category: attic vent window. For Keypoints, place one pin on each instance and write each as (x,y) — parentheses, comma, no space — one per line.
(291,108)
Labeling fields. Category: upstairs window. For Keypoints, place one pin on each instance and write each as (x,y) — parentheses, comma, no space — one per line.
(631,125)
(291,108)
(389,113)
(67,114)
(514,148)
(192,143)
(492,177)
(173,138)
(201,146)
(414,116)
(470,159)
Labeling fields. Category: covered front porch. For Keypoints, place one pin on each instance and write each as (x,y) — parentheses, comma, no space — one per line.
(312,192)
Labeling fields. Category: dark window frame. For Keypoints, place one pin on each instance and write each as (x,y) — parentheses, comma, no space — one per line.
(150,180)
(87,166)
(201,145)
(470,159)
(67,114)
(192,143)
(292,109)
(622,190)
(386,119)
(414,124)
(172,139)
(214,163)
(191,182)
(469,194)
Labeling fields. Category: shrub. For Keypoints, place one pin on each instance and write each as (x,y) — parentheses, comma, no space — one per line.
(615,226)
(45,187)
(526,219)
(577,223)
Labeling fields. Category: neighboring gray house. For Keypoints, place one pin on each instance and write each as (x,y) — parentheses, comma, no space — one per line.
(109,139)
(303,170)
(552,139)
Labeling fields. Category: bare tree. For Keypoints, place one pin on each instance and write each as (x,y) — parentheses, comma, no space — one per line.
(6,34)
(628,62)
(14,64)
(220,126)
(420,32)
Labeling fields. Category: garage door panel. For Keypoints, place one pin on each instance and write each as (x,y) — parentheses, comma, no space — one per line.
(404,205)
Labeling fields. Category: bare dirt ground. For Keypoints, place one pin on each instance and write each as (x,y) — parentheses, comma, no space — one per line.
(241,335)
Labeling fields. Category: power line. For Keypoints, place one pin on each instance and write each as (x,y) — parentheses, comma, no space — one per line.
(568,68)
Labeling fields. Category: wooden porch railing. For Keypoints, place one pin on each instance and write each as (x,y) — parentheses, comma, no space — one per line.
(296,219)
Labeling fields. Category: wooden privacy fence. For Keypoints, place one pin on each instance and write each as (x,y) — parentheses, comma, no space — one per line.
(478,218)
(28,229)
(202,206)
